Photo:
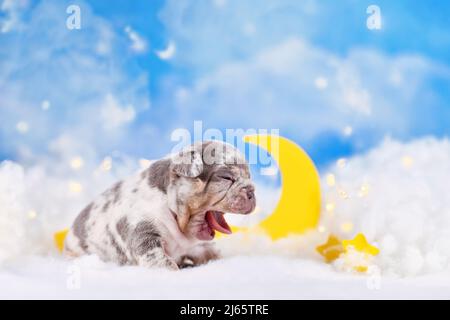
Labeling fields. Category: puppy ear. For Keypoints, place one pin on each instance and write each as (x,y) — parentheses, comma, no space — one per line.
(188,163)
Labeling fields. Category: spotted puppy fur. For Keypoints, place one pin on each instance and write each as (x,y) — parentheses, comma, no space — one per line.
(166,215)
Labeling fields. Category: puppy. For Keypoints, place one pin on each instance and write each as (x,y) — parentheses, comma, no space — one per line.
(167,215)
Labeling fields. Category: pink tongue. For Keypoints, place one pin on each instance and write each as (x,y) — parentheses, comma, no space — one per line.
(217,222)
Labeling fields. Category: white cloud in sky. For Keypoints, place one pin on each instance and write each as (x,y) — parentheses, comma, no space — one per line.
(12,9)
(114,115)
(269,80)
(220,3)
(211,32)
(138,44)
(280,78)
(303,89)
(105,40)
(77,72)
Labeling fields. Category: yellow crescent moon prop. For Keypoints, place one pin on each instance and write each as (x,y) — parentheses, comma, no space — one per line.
(299,206)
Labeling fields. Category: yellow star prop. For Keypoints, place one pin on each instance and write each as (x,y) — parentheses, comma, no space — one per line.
(332,249)
(361,269)
(360,244)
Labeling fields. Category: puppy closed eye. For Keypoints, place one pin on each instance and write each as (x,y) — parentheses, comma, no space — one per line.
(227,177)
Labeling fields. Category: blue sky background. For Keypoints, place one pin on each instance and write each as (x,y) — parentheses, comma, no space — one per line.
(309,68)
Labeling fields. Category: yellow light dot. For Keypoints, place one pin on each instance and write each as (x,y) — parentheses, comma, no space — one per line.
(76,163)
(341,163)
(343,194)
(331,180)
(330,207)
(32,214)
(364,191)
(75,187)
(144,163)
(407,162)
(106,164)
(347,226)
(321,229)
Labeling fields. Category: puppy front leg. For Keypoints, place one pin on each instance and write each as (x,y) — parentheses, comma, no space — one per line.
(156,257)
(147,247)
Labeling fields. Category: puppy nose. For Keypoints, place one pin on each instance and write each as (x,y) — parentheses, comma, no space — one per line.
(250,192)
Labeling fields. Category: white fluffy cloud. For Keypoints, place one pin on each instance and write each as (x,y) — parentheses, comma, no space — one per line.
(211,32)
(395,194)
(37,201)
(279,87)
(114,115)
(12,9)
(138,44)
(264,68)
(75,71)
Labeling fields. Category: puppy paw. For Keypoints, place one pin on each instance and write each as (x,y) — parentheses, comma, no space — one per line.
(173,266)
(186,262)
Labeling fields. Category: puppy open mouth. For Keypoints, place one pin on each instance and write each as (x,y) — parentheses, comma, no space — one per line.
(214,221)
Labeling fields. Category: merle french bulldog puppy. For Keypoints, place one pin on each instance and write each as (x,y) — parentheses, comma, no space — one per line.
(166,215)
